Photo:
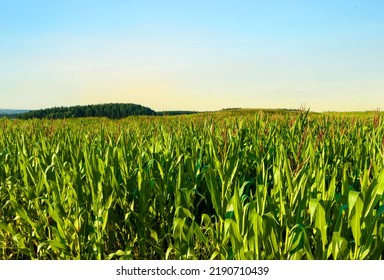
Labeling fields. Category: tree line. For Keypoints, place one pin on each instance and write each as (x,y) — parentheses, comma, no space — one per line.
(111,110)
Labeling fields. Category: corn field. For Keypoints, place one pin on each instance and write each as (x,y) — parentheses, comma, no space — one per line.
(227,185)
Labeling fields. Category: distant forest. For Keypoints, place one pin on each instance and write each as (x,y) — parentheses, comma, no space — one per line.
(112,111)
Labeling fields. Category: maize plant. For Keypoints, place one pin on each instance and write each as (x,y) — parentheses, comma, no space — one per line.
(233,185)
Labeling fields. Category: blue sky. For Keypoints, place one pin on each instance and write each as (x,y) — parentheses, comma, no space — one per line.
(193,55)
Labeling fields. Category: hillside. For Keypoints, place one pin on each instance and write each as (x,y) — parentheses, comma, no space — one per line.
(11,112)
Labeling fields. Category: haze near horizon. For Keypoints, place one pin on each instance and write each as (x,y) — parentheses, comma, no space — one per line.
(200,55)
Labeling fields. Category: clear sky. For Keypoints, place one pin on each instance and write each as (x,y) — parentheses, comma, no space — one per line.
(193,55)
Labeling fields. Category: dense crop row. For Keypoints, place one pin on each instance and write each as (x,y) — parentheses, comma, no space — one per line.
(231,185)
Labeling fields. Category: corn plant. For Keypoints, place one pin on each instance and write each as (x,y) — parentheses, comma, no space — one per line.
(241,184)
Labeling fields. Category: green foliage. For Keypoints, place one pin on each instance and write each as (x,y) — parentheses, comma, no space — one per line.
(112,111)
(228,185)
